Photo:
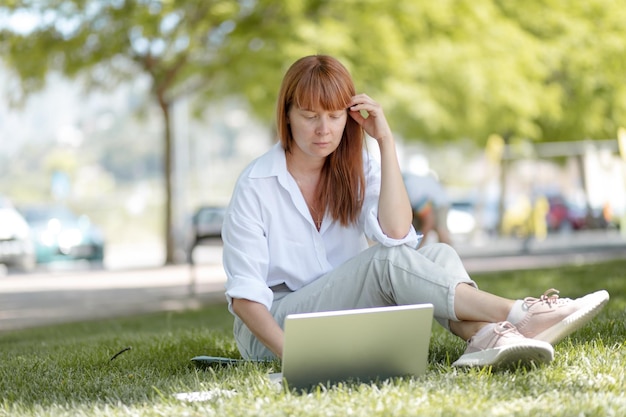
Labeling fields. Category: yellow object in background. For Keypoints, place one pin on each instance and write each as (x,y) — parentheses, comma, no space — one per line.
(540,211)
(494,150)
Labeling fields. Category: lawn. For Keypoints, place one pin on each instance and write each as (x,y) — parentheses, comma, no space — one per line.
(66,370)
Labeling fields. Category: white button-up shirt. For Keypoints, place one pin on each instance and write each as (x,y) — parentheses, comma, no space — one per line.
(270,238)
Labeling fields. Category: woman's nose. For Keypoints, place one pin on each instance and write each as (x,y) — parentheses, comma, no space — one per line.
(323,125)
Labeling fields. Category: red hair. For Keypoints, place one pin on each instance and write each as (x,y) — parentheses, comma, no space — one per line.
(321,81)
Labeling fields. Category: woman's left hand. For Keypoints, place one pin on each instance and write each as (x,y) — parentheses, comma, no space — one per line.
(375,123)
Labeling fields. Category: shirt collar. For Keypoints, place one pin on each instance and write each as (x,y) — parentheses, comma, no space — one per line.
(274,164)
(270,164)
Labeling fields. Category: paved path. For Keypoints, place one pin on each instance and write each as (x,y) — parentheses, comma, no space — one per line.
(512,254)
(37,299)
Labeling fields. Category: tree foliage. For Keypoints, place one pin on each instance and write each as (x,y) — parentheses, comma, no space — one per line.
(583,52)
(182,47)
(444,70)
(449,69)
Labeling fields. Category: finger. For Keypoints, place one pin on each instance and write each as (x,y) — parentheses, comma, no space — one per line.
(357,106)
(360,112)
(357,116)
(360,99)
(367,108)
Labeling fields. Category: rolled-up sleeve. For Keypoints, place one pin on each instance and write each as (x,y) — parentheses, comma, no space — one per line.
(245,255)
(375,233)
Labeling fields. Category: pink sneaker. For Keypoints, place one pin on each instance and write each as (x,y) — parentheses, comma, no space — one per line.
(500,344)
(550,318)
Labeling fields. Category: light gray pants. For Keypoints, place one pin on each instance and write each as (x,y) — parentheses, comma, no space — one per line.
(379,276)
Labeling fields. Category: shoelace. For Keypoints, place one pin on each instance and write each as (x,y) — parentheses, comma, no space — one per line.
(550,297)
(503,328)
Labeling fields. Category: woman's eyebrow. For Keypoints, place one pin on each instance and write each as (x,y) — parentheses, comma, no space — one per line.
(324,110)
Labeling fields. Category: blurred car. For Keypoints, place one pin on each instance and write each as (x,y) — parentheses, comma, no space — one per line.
(466,216)
(461,217)
(565,215)
(207,222)
(61,235)
(206,225)
(16,247)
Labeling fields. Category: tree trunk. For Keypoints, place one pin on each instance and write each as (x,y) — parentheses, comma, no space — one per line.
(168,170)
(580,162)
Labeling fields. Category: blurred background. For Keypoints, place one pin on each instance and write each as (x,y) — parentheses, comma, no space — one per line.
(124,124)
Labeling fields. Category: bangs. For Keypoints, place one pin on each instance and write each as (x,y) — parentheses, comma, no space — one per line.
(323,89)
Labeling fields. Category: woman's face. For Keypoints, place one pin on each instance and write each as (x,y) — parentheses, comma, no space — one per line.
(316,132)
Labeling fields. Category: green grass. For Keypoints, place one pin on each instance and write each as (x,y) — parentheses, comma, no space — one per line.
(66,370)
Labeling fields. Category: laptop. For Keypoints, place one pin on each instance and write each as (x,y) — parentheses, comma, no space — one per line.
(355,345)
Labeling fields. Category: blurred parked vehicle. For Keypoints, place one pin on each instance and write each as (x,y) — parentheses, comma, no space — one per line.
(61,235)
(16,247)
(461,217)
(562,215)
(206,225)
(565,215)
(466,217)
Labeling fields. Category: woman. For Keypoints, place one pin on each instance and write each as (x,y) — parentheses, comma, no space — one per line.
(297,232)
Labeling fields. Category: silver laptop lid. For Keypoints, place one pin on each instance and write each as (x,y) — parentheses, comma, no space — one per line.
(364,344)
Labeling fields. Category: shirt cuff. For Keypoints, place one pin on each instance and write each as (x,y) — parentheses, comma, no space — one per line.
(375,233)
(249,289)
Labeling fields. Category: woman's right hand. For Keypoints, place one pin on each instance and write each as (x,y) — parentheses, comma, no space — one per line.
(375,124)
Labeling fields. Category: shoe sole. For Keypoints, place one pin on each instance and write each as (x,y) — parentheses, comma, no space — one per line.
(533,351)
(574,321)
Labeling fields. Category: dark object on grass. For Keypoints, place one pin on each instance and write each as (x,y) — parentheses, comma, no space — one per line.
(204,362)
(120,352)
